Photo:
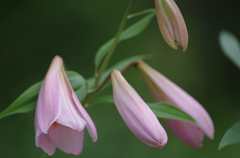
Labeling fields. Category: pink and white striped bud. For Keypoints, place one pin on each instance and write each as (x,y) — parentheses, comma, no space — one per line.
(60,118)
(171,23)
(163,89)
(135,112)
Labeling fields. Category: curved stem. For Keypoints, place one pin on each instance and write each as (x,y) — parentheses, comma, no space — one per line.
(141,13)
(45,155)
(106,80)
(93,91)
(112,49)
(96,86)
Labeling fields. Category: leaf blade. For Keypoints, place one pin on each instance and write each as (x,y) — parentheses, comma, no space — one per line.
(160,109)
(230,46)
(119,66)
(232,136)
(168,111)
(26,102)
(104,99)
(130,32)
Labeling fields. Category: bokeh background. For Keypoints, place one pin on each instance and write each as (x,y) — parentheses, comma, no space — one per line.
(33,32)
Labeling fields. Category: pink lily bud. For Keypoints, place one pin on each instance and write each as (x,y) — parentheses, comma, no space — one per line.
(135,112)
(171,23)
(60,118)
(163,89)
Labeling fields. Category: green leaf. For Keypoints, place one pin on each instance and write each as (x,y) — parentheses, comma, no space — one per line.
(105,99)
(130,32)
(232,136)
(82,92)
(141,13)
(169,111)
(26,102)
(119,66)
(230,46)
(161,110)
(76,80)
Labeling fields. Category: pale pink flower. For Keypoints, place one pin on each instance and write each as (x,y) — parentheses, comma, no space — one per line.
(60,118)
(135,112)
(171,23)
(163,89)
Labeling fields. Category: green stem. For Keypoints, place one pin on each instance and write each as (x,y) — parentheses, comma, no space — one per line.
(93,91)
(100,85)
(141,13)
(96,86)
(45,155)
(112,49)
(106,80)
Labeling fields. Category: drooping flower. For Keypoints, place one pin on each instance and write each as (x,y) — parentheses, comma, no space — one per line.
(60,118)
(135,112)
(171,23)
(163,89)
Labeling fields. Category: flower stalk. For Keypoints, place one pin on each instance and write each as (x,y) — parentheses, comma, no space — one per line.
(106,60)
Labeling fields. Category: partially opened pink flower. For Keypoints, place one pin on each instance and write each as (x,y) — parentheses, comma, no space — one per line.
(60,118)
(171,23)
(135,112)
(163,89)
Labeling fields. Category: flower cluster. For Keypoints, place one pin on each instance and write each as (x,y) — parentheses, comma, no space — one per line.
(60,117)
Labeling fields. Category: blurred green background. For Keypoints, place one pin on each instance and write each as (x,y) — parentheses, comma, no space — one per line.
(33,32)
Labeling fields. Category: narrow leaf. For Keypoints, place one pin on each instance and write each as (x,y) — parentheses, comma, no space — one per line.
(26,102)
(232,136)
(130,32)
(230,46)
(104,99)
(169,111)
(119,66)
(76,80)
(161,110)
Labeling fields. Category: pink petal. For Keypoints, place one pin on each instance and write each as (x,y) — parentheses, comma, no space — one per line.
(67,139)
(74,108)
(69,115)
(163,89)
(190,133)
(137,115)
(171,23)
(60,118)
(43,141)
(48,105)
(90,125)
(185,102)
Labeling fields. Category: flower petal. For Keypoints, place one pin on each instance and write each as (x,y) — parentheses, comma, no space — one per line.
(163,89)
(75,109)
(43,141)
(83,113)
(60,118)
(137,115)
(171,23)
(67,139)
(69,115)
(190,133)
(48,105)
